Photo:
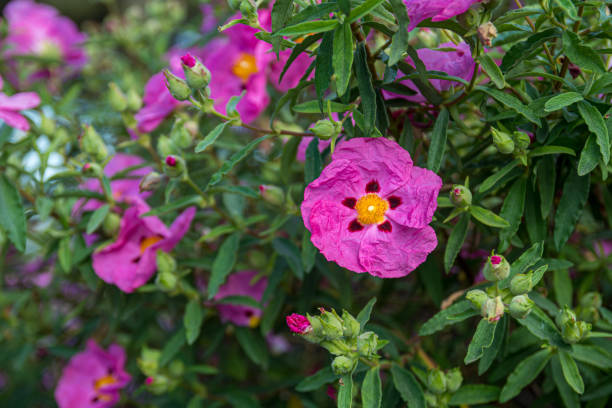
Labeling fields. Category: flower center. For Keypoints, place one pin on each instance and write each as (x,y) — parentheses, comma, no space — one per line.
(371,209)
(245,66)
(148,241)
(103,382)
(254,321)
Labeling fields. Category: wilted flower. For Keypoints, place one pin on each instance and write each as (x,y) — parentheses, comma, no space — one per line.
(10,107)
(241,284)
(369,210)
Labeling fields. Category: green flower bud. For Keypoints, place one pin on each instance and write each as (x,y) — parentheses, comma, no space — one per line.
(272,194)
(176,368)
(493,309)
(111,224)
(343,365)
(454,379)
(166,281)
(564,316)
(174,166)
(166,147)
(588,314)
(496,268)
(196,74)
(591,299)
(335,347)
(92,144)
(521,283)
(149,361)
(165,262)
(521,140)
(477,297)
(47,125)
(159,384)
(436,381)
(332,325)
(180,136)
(573,332)
(178,87)
(317,328)
(502,141)
(367,344)
(520,306)
(134,101)
(249,12)
(431,400)
(150,182)
(326,129)
(460,196)
(350,325)
(257,259)
(117,98)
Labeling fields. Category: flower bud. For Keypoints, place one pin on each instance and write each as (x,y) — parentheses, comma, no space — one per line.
(486,33)
(249,12)
(477,297)
(92,144)
(496,268)
(166,281)
(134,101)
(591,299)
(272,194)
(150,182)
(117,98)
(573,332)
(298,324)
(521,140)
(165,262)
(343,365)
(149,361)
(159,384)
(174,166)
(180,136)
(336,347)
(178,87)
(520,306)
(165,146)
(460,196)
(367,344)
(521,283)
(502,141)
(196,74)
(454,379)
(432,400)
(436,381)
(493,309)
(92,169)
(588,314)
(332,325)
(111,224)
(350,325)
(565,315)
(317,326)
(47,125)
(325,129)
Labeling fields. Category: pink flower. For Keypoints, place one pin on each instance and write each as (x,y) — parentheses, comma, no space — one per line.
(11,105)
(369,210)
(38,29)
(93,378)
(293,75)
(124,189)
(298,323)
(241,284)
(130,261)
(437,10)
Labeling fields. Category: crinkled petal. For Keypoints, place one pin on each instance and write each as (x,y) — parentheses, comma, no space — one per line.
(20,101)
(178,229)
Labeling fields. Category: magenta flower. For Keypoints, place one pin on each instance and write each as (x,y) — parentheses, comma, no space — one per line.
(10,107)
(38,29)
(130,261)
(437,10)
(298,323)
(301,150)
(124,189)
(293,75)
(369,209)
(241,284)
(93,378)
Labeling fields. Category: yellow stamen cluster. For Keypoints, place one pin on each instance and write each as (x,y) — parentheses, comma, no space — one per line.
(371,209)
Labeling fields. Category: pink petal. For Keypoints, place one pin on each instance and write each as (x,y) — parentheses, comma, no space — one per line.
(15,120)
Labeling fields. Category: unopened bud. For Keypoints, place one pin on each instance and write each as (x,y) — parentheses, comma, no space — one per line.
(166,281)
(174,166)
(591,299)
(180,136)
(165,147)
(317,326)
(47,125)
(588,314)
(165,262)
(298,324)
(436,381)
(521,283)
(272,194)
(521,140)
(332,325)
(502,141)
(486,33)
(454,379)
(117,98)
(520,306)
(460,196)
(134,101)
(92,144)
(367,344)
(564,316)
(351,326)
(149,361)
(477,297)
(249,12)
(196,74)
(92,169)
(326,129)
(573,332)
(178,87)
(493,309)
(496,268)
(343,365)
(150,182)
(111,224)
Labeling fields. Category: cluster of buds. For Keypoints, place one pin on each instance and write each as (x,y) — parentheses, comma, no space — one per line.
(516,143)
(441,385)
(342,336)
(588,310)
(122,102)
(197,78)
(93,145)
(167,277)
(159,379)
(572,329)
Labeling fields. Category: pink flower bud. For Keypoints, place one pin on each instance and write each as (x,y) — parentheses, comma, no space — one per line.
(171,161)
(188,60)
(149,380)
(87,167)
(298,324)
(496,259)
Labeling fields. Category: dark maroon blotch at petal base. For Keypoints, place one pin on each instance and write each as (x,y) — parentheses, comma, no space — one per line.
(372,187)
(355,226)
(385,227)
(349,202)
(394,202)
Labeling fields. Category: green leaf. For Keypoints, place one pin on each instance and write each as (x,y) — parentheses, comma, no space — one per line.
(230,107)
(366,89)
(313,107)
(239,300)
(309,252)
(317,380)
(234,160)
(345,392)
(211,137)
(307,27)
(568,7)
(562,100)
(399,41)
(597,126)
(488,217)
(363,9)
(540,325)
(547,150)
(455,313)
(408,387)
(538,274)
(223,263)
(583,56)
(364,315)
(493,179)
(342,59)
(455,241)
(253,345)
(97,218)
(291,253)
(312,164)
(288,157)
(492,70)
(281,12)
(172,347)
(474,394)
(483,338)
(438,142)
(491,352)
(527,258)
(522,50)
(371,389)
(513,103)
(174,205)
(524,373)
(569,397)
(345,6)
(573,199)
(546,176)
(323,67)
(570,372)
(562,284)
(12,214)
(512,211)
(593,355)
(192,320)
(64,254)
(589,158)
